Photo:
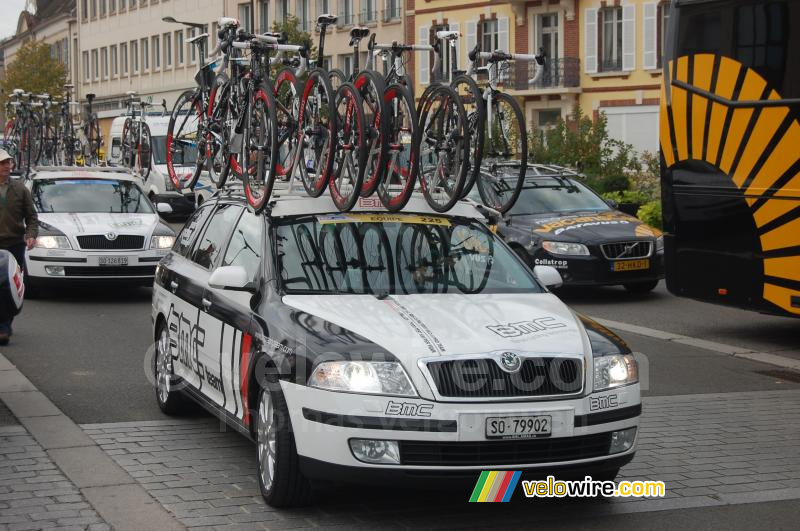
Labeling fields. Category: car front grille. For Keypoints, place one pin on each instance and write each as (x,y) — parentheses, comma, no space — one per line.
(100,242)
(517,452)
(483,378)
(626,250)
(110,271)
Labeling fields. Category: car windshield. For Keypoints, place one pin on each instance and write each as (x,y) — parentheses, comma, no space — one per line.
(383,254)
(549,195)
(89,195)
(187,154)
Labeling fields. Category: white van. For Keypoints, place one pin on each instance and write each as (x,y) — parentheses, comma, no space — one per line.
(158,185)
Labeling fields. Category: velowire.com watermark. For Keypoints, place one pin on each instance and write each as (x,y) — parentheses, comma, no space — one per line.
(498,486)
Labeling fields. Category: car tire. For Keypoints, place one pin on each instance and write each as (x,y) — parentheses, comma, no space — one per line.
(169,398)
(641,287)
(281,481)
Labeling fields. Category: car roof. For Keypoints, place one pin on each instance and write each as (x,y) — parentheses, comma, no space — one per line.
(80,172)
(296,202)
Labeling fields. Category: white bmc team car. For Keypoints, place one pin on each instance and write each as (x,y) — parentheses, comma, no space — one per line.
(95,224)
(373,346)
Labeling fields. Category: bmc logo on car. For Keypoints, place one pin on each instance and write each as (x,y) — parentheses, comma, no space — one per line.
(405,409)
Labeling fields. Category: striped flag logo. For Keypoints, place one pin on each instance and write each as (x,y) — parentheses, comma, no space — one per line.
(495,486)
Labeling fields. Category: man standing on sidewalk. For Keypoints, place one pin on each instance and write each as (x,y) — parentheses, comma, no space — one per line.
(19,224)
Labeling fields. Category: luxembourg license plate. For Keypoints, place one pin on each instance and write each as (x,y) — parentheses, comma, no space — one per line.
(113,260)
(631,265)
(519,427)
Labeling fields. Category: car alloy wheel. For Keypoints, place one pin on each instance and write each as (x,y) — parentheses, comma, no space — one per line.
(267,439)
(168,395)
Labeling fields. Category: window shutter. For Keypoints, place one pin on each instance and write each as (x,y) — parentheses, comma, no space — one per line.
(471,37)
(502,35)
(424,57)
(590,44)
(628,37)
(455,26)
(650,58)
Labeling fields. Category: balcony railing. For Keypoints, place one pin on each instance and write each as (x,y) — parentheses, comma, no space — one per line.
(391,13)
(558,73)
(367,17)
(610,65)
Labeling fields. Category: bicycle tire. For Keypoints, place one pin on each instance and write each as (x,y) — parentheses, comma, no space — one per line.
(305,246)
(410,273)
(260,126)
(144,151)
(402,164)
(384,254)
(327,233)
(472,98)
(351,149)
(317,132)
(177,139)
(37,139)
(500,189)
(127,143)
(94,140)
(217,132)
(443,129)
(337,78)
(287,109)
(372,88)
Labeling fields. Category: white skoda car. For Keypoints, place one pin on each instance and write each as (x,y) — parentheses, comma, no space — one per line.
(96,224)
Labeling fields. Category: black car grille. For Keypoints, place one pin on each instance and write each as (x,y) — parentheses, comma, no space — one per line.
(483,378)
(626,250)
(490,453)
(100,242)
(110,271)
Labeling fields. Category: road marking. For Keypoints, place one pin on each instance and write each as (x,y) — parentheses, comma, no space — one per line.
(713,346)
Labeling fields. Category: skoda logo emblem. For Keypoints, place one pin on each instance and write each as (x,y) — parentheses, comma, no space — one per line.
(510,361)
(111,236)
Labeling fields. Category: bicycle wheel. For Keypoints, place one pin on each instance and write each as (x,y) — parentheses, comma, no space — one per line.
(68,143)
(472,98)
(371,88)
(444,148)
(337,78)
(318,126)
(332,255)
(36,139)
(144,151)
(216,133)
(470,252)
(397,185)
(259,148)
(128,143)
(311,262)
(378,263)
(94,140)
(505,154)
(184,122)
(418,269)
(350,154)
(287,110)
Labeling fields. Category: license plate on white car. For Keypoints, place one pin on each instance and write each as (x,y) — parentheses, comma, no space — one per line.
(519,427)
(113,261)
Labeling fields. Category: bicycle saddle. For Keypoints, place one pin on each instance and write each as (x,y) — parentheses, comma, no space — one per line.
(326,19)
(18,92)
(281,37)
(358,33)
(226,22)
(198,38)
(130,93)
(447,35)
(69,86)
(90,96)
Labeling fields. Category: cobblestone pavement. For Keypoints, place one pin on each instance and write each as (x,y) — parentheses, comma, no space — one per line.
(34,494)
(710,450)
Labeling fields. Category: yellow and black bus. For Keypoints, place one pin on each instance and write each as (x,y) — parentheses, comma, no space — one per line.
(730,153)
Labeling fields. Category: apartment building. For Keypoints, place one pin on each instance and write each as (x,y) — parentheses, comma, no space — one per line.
(621,51)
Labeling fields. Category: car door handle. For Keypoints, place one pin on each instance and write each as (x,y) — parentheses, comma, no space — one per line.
(174,286)
(206,303)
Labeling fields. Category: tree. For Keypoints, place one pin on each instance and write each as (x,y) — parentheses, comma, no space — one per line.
(34,70)
(291,26)
(586,145)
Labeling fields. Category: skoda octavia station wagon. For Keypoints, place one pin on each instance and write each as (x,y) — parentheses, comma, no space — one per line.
(372,346)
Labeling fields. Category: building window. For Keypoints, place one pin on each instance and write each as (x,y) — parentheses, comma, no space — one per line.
(179,47)
(86,75)
(346,14)
(347,65)
(84,9)
(282,9)
(95,65)
(103,6)
(94,9)
(167,50)
(441,73)
(244,18)
(104,62)
(112,7)
(156,53)
(611,39)
(123,56)
(65,47)
(303,14)
(323,7)
(263,16)
(192,49)
(490,36)
(392,10)
(122,5)
(114,61)
(135,57)
(662,23)
(145,55)
(369,13)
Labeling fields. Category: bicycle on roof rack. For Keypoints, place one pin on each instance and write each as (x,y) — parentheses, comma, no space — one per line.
(137,143)
(91,134)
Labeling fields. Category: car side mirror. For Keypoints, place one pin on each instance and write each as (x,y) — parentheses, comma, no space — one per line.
(548,275)
(613,204)
(230,277)
(163,208)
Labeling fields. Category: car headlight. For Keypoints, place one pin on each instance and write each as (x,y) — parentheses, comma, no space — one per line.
(566,248)
(660,244)
(162,242)
(374,378)
(615,371)
(53,242)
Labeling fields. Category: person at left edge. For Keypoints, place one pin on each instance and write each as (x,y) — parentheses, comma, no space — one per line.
(19,224)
